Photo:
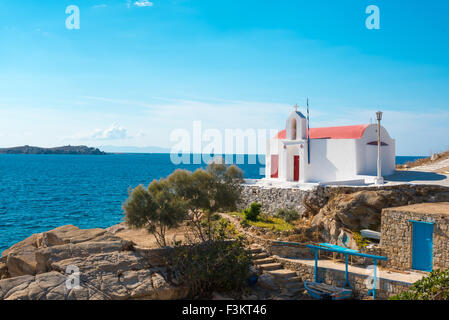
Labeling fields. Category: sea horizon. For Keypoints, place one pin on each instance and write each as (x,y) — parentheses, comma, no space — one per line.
(42,192)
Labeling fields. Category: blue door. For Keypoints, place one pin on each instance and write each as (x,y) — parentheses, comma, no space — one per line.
(422,246)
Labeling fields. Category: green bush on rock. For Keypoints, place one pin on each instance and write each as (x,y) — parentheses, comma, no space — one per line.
(289,215)
(253,212)
(184,196)
(219,265)
(435,286)
(155,208)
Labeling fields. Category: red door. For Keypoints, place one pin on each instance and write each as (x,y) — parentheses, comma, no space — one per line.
(274,166)
(296,168)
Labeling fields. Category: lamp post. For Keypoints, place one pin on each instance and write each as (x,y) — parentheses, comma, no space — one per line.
(379,180)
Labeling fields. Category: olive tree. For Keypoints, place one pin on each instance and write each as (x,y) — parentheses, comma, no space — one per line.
(218,187)
(156,208)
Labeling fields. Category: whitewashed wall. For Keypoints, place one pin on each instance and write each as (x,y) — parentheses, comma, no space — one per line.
(367,154)
(331,160)
(334,159)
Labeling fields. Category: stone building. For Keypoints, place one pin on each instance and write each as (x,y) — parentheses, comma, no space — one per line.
(416,236)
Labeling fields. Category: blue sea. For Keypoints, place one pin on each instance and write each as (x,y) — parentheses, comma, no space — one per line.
(42,192)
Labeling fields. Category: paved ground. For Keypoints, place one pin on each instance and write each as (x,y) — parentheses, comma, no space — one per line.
(432,174)
(408,277)
(434,166)
(414,176)
(436,174)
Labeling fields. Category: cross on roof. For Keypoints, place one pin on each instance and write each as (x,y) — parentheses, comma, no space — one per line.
(296,107)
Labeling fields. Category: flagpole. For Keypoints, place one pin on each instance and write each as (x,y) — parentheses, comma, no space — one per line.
(308,135)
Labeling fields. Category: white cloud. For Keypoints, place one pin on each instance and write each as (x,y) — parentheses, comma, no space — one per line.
(416,133)
(143,3)
(114,132)
(140,134)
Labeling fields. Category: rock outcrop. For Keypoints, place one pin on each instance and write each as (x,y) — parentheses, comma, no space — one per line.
(57,150)
(348,212)
(70,263)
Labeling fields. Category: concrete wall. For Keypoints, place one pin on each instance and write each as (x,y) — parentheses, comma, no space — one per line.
(397,237)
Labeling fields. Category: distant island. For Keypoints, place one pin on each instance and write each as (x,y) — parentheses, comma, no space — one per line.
(57,150)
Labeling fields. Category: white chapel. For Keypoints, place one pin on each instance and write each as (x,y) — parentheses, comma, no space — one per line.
(299,154)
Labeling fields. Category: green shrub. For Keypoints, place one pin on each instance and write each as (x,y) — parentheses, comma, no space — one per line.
(222,229)
(288,215)
(253,212)
(432,287)
(155,208)
(217,188)
(221,265)
(244,223)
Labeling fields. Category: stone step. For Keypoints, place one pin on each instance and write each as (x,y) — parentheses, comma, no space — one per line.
(288,280)
(282,273)
(264,261)
(256,250)
(260,255)
(270,266)
(292,292)
(294,285)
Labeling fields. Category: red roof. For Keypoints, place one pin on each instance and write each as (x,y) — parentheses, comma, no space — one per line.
(346,132)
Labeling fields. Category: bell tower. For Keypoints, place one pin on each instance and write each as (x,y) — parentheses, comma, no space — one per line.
(296,125)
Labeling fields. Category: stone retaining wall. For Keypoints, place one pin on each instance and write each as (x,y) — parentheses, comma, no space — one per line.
(397,237)
(386,287)
(275,198)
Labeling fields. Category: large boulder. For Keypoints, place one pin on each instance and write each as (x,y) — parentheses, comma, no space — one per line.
(109,268)
(105,276)
(348,212)
(44,286)
(20,258)
(72,234)
(22,263)
(3,271)
(45,257)
(28,256)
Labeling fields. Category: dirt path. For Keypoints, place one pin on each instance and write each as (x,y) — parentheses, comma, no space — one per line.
(436,173)
(142,238)
(433,167)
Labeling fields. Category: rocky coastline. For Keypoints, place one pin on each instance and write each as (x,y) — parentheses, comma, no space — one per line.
(45,266)
(81,150)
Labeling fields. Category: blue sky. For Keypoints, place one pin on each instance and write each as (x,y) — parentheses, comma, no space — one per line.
(132,74)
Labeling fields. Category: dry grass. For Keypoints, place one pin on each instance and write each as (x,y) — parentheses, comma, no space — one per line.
(267,222)
(142,238)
